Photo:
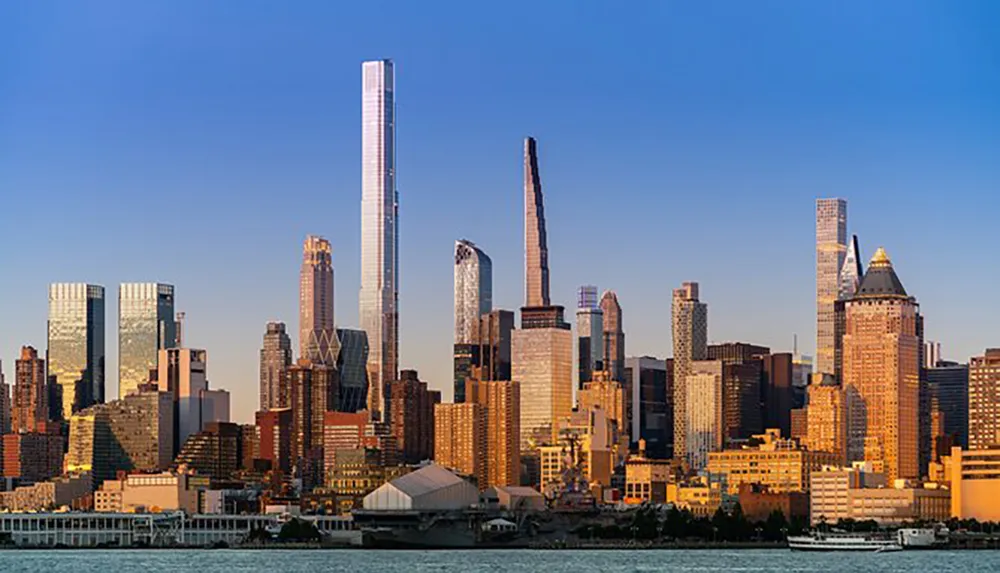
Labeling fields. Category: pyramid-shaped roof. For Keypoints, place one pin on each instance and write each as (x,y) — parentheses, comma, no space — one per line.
(880,278)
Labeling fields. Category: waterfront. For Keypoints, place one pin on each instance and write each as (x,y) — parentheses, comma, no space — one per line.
(219,561)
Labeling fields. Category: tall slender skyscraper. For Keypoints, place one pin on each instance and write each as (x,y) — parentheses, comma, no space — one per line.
(317,334)
(378,308)
(145,326)
(275,359)
(831,249)
(614,336)
(536,252)
(473,290)
(30,408)
(75,347)
(881,373)
(589,334)
(689,321)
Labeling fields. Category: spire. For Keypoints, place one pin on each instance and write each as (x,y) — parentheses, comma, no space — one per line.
(851,272)
(880,279)
(536,253)
(880,258)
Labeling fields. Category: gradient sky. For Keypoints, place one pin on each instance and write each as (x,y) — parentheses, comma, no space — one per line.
(197,143)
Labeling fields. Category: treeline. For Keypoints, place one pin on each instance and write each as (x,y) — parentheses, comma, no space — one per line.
(650,524)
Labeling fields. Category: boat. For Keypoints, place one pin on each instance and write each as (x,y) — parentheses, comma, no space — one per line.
(819,541)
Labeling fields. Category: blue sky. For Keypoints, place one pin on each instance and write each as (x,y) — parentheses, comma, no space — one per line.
(197,143)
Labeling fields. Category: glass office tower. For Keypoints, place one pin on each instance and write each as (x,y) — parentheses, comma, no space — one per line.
(145,326)
(75,347)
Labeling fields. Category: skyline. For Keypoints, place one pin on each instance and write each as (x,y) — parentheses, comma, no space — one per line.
(891,162)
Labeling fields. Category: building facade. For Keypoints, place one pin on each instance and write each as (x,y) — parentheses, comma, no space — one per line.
(689,324)
(542,364)
(705,412)
(984,400)
(183,375)
(473,290)
(146,325)
(352,367)
(614,336)
(75,352)
(831,250)
(30,400)
(776,463)
(379,298)
(317,335)
(460,440)
(649,400)
(948,385)
(501,402)
(412,416)
(275,359)
(826,420)
(488,356)
(589,334)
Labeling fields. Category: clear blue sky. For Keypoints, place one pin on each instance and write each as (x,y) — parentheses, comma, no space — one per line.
(197,143)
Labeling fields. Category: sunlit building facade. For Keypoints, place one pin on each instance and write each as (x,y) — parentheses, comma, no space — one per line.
(145,326)
(275,359)
(460,440)
(649,399)
(831,249)
(379,297)
(589,334)
(501,400)
(704,412)
(317,335)
(826,420)
(543,364)
(614,336)
(689,324)
(75,353)
(473,289)
(984,400)
(30,400)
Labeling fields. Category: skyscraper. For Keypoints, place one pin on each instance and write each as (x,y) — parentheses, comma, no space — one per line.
(30,408)
(412,416)
(614,336)
(473,290)
(352,367)
(317,335)
(145,326)
(313,392)
(379,298)
(649,403)
(183,375)
(826,419)
(5,404)
(501,400)
(589,334)
(75,353)
(948,383)
(984,400)
(488,356)
(542,351)
(275,358)
(831,249)
(852,271)
(704,412)
(881,372)
(689,324)
(460,440)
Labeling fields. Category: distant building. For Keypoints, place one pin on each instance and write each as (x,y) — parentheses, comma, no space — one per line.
(689,324)
(830,489)
(75,351)
(778,391)
(779,464)
(501,401)
(614,336)
(649,400)
(412,416)
(704,410)
(800,424)
(353,370)
(984,400)
(30,404)
(145,327)
(314,392)
(826,419)
(487,357)
(183,375)
(460,441)
(473,290)
(357,473)
(589,334)
(542,364)
(5,404)
(215,452)
(318,341)
(948,384)
(33,457)
(142,493)
(900,505)
(65,491)
(275,359)
(275,428)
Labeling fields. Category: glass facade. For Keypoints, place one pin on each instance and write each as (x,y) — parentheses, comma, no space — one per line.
(145,326)
(317,336)
(75,347)
(473,290)
(648,404)
(352,364)
(831,250)
(379,296)
(543,365)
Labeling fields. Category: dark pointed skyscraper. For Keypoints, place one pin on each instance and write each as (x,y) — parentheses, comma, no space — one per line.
(536,253)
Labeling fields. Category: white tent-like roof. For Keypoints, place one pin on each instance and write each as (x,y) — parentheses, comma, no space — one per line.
(431,488)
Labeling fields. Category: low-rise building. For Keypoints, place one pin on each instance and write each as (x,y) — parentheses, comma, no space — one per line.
(896,505)
(699,495)
(151,493)
(646,479)
(974,477)
(32,457)
(758,503)
(779,464)
(65,491)
(829,498)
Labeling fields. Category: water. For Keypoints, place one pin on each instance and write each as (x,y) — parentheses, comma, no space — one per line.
(618,561)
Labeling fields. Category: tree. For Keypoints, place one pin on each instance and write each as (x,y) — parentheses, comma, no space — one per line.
(775,526)
(298,530)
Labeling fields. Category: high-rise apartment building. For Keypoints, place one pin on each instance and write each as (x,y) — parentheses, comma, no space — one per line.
(460,440)
(216,451)
(689,324)
(412,416)
(379,298)
(352,367)
(984,400)
(313,392)
(317,335)
(275,359)
(501,401)
(33,457)
(614,336)
(831,249)
(826,420)
(344,431)
(778,392)
(75,352)
(488,356)
(948,385)
(145,326)
(473,290)
(649,399)
(536,251)
(589,334)
(5,404)
(704,427)
(30,404)
(881,372)
(275,429)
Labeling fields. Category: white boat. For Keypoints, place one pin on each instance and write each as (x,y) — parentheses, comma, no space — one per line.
(843,542)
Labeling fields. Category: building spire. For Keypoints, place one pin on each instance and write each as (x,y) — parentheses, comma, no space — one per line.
(536,253)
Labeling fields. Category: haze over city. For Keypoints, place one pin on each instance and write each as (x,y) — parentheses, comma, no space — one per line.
(198,145)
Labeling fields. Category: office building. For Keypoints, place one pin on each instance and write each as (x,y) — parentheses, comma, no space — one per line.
(75,352)
(379,298)
(900,504)
(776,463)
(317,335)
(132,433)
(146,493)
(216,451)
(826,420)
(275,438)
(948,385)
(275,359)
(488,356)
(589,334)
(352,367)
(313,391)
(974,479)
(614,336)
(705,410)
(183,375)
(778,391)
(501,402)
(33,457)
(932,354)
(881,372)
(30,403)
(145,326)
(649,402)
(831,486)
(608,395)
(736,352)
(348,431)
(473,290)
(460,440)
(5,404)
(984,400)
(412,416)
(689,324)
(831,250)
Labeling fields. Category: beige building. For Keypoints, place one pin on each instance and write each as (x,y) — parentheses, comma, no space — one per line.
(779,464)
(542,362)
(984,400)
(151,493)
(897,505)
(607,394)
(699,496)
(646,479)
(974,477)
(881,372)
(65,491)
(460,440)
(585,452)
(501,400)
(826,420)
(830,487)
(831,250)
(689,325)
(705,408)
